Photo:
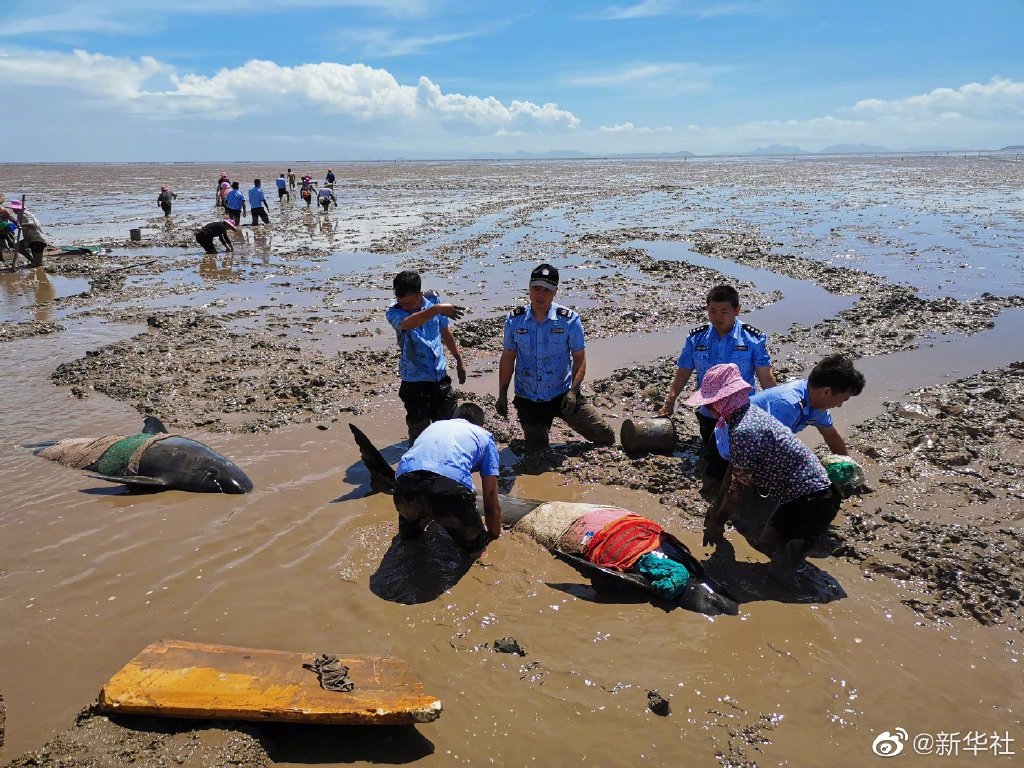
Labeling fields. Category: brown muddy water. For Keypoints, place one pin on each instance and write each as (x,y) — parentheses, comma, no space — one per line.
(90,573)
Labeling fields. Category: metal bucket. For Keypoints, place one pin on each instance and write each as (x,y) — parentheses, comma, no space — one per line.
(650,435)
(135,235)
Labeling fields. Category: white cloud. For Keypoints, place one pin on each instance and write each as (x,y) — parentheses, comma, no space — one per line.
(147,87)
(381,43)
(700,9)
(665,77)
(999,98)
(630,128)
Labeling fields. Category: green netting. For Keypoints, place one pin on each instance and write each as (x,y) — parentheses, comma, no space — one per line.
(842,470)
(114,461)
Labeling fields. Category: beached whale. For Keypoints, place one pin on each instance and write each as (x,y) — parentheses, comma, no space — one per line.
(151,459)
(562,527)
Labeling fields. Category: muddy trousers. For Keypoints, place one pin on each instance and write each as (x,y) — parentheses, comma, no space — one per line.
(206,241)
(33,251)
(422,495)
(166,209)
(426,402)
(537,416)
(716,465)
(257,214)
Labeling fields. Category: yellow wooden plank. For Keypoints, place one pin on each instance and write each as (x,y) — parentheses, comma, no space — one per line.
(181,679)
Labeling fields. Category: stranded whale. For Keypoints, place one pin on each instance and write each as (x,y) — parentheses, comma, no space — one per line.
(151,459)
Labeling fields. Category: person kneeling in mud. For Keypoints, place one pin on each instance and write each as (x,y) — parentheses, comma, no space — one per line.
(325,197)
(766,456)
(217,229)
(434,481)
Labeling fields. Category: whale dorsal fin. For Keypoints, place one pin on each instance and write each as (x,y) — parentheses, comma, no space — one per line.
(139,480)
(153,426)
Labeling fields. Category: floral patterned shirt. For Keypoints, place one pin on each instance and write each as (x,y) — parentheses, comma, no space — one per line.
(778,464)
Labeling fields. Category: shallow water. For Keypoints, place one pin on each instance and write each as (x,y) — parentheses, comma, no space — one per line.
(90,573)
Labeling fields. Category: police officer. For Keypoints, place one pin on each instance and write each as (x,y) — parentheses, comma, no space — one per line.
(722,340)
(545,349)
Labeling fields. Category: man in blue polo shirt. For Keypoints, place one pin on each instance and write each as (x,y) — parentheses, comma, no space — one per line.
(722,340)
(544,347)
(804,402)
(258,204)
(421,322)
(434,481)
(234,204)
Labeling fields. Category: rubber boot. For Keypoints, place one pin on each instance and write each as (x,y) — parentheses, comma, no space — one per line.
(768,541)
(587,422)
(537,437)
(788,557)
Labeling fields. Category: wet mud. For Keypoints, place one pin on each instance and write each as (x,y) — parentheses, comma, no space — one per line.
(272,348)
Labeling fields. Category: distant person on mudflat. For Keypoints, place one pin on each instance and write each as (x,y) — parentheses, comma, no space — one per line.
(722,340)
(32,243)
(234,204)
(766,457)
(282,189)
(218,229)
(164,200)
(421,323)
(223,187)
(434,481)
(307,189)
(330,178)
(325,197)
(291,179)
(258,204)
(544,348)
(806,402)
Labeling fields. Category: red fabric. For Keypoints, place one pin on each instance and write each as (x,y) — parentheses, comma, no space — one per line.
(621,543)
(575,539)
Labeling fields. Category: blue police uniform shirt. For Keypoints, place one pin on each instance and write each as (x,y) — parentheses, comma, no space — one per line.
(791,404)
(234,200)
(257,198)
(543,350)
(453,448)
(281,183)
(744,345)
(422,354)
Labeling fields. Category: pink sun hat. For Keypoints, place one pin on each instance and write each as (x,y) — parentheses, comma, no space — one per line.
(15,204)
(231,224)
(720,382)
(225,185)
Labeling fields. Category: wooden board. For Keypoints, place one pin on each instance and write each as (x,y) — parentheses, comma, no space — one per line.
(180,679)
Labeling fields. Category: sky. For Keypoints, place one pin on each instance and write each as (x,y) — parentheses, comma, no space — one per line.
(195,80)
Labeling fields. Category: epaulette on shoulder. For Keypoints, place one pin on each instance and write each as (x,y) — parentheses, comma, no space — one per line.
(517,312)
(431,294)
(751,329)
(564,312)
(700,329)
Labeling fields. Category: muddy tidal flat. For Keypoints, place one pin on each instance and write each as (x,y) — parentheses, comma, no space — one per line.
(909,616)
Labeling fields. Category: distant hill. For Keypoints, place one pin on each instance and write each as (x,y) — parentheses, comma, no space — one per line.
(1013,148)
(853,149)
(574,154)
(778,149)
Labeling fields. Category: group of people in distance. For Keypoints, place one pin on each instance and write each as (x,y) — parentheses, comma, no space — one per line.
(749,440)
(230,197)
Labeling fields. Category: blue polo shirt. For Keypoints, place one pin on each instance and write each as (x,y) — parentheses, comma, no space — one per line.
(455,449)
(257,199)
(543,350)
(281,183)
(234,200)
(422,353)
(790,404)
(744,345)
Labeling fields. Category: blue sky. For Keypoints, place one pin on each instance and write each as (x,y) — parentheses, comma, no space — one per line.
(121,80)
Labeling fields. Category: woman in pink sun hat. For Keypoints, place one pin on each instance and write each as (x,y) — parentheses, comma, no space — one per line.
(766,457)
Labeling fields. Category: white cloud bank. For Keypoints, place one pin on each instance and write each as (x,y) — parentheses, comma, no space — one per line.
(146,87)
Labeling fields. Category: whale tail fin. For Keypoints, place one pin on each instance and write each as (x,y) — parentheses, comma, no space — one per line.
(382,474)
